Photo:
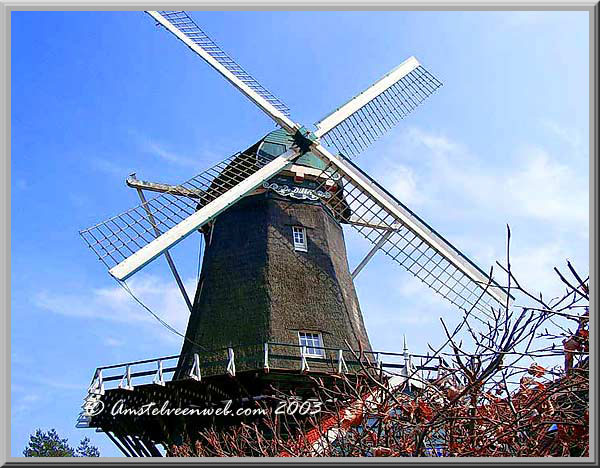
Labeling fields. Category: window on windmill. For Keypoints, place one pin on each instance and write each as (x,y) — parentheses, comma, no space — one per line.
(299,235)
(313,343)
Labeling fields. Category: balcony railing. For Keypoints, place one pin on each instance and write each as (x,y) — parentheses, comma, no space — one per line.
(268,356)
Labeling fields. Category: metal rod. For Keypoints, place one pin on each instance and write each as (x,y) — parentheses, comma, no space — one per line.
(372,252)
(166,253)
(143,361)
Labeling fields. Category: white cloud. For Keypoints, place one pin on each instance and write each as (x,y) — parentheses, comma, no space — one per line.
(112,342)
(158,150)
(438,144)
(469,199)
(114,304)
(195,157)
(24,404)
(31,397)
(407,301)
(403,184)
(570,136)
(533,266)
(20,359)
(440,170)
(108,167)
(455,184)
(546,189)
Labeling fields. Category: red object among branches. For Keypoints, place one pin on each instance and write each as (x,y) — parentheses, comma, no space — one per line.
(502,393)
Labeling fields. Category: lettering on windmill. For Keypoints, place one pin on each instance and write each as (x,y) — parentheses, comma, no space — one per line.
(299,193)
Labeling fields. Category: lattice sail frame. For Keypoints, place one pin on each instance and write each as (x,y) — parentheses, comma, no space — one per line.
(117,238)
(121,237)
(182,21)
(355,206)
(354,126)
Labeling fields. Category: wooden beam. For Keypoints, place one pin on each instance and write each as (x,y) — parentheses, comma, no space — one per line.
(166,240)
(385,236)
(249,92)
(362,99)
(170,261)
(178,190)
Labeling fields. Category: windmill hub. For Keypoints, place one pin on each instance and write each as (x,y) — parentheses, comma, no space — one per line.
(304,139)
(308,178)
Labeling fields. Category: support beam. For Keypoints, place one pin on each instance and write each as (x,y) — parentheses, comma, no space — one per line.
(207,213)
(178,190)
(385,236)
(266,363)
(154,452)
(167,254)
(363,223)
(118,444)
(141,449)
(362,99)
(230,362)
(127,444)
(383,198)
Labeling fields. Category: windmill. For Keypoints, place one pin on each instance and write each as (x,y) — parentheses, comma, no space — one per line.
(276,295)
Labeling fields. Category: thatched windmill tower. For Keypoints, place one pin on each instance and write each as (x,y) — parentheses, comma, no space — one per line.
(276,298)
(275,268)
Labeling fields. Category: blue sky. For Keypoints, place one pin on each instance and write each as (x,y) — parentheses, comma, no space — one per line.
(97,95)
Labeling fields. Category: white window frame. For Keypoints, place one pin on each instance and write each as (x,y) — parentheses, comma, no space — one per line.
(312,342)
(301,245)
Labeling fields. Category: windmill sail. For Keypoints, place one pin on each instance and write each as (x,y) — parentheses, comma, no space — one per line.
(128,241)
(185,29)
(413,244)
(351,128)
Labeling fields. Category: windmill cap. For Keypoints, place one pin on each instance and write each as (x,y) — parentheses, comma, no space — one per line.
(279,141)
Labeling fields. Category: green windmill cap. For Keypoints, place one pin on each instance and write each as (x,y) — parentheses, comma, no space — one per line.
(279,141)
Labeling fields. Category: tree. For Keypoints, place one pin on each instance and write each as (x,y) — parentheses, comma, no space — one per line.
(49,444)
(499,389)
(85,449)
